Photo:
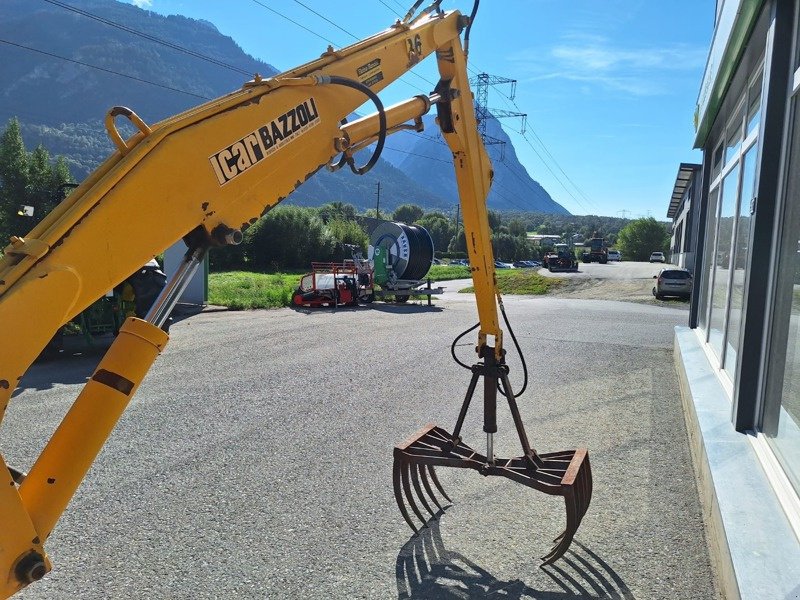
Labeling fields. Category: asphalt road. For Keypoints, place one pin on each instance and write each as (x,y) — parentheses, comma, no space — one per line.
(625,270)
(255,461)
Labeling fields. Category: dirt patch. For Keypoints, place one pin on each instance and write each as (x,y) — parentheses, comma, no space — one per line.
(625,290)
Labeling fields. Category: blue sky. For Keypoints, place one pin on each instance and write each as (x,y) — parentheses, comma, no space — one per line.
(609,86)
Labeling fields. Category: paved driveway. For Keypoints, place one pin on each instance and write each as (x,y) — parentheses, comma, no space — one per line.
(255,461)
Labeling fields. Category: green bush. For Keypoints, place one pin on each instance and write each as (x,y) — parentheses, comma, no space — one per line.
(288,237)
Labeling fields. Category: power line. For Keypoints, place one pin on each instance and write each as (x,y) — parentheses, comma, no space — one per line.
(324,18)
(549,154)
(393,11)
(321,16)
(83,64)
(546,166)
(149,37)
(282,16)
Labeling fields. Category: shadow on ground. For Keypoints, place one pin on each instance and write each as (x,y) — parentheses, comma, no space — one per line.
(426,569)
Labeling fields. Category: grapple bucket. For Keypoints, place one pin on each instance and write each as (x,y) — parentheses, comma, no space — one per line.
(566,473)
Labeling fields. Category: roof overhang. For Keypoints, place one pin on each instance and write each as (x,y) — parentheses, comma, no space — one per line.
(684,179)
(731,33)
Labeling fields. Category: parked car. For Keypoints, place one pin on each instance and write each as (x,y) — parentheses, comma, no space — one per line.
(672,282)
(523,264)
(499,264)
(657,257)
(614,255)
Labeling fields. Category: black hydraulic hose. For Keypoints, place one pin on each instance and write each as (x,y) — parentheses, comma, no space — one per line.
(455,341)
(469,26)
(516,345)
(519,352)
(357,85)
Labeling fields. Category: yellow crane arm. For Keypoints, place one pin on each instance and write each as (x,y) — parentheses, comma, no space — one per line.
(204,175)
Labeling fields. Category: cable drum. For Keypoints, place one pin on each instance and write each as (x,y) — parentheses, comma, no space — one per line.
(410,248)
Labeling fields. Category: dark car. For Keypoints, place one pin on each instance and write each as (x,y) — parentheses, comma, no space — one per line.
(672,282)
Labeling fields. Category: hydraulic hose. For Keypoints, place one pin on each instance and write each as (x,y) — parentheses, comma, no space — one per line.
(357,85)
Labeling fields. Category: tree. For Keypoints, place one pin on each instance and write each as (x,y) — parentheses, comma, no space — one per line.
(458,243)
(13,177)
(439,227)
(517,227)
(511,247)
(288,236)
(407,213)
(495,219)
(27,179)
(337,210)
(346,233)
(641,237)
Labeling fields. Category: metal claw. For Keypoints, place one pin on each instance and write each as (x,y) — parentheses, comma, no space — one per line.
(412,477)
(567,473)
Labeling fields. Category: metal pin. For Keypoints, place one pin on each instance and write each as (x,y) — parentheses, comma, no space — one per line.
(490,448)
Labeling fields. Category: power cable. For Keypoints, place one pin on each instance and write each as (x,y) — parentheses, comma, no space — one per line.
(149,37)
(393,11)
(83,64)
(326,19)
(351,34)
(506,99)
(546,166)
(282,16)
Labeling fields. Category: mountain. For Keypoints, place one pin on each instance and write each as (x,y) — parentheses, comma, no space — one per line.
(45,48)
(512,187)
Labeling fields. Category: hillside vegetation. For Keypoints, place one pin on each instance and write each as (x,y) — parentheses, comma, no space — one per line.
(61,102)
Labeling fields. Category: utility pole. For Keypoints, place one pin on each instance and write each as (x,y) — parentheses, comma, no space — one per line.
(623,213)
(378,203)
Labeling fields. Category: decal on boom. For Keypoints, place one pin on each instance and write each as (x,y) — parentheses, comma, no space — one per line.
(235,159)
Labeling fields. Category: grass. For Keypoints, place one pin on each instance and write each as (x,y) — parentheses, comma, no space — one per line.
(523,282)
(242,290)
(448,272)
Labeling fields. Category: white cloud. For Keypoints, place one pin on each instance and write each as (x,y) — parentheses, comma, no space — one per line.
(643,71)
(142,3)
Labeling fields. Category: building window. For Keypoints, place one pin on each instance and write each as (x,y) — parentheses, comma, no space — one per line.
(781,417)
(733,174)
(722,260)
(740,250)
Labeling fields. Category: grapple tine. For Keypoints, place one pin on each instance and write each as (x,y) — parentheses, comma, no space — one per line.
(564,540)
(423,475)
(576,487)
(409,495)
(438,485)
(398,494)
(415,480)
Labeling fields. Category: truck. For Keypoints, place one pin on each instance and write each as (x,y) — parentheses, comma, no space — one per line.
(596,251)
(205,176)
(560,258)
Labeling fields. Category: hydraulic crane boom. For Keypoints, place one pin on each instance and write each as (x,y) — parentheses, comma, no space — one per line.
(205,176)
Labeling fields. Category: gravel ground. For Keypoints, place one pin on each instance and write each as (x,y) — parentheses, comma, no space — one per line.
(255,460)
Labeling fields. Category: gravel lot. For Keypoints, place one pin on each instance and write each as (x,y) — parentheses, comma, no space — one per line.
(255,460)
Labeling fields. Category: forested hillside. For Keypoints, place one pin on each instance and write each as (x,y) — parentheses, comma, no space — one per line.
(64,68)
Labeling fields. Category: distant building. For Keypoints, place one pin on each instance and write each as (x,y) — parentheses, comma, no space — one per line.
(736,225)
(543,240)
(682,210)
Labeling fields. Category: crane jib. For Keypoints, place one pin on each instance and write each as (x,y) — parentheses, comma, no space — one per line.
(235,159)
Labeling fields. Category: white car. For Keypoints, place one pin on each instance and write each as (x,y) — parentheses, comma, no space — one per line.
(657,257)
(614,255)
